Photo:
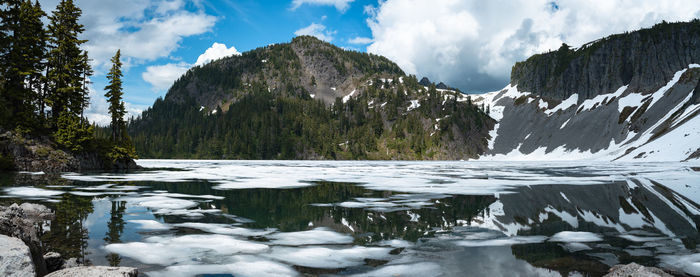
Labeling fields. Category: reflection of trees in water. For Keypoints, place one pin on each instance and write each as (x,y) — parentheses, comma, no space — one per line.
(67,235)
(115,227)
(292,209)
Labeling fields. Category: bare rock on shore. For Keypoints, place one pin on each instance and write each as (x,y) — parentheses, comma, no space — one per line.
(636,270)
(22,221)
(15,258)
(89,271)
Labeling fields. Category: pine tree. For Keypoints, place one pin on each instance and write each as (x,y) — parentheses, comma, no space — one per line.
(114,97)
(69,67)
(23,49)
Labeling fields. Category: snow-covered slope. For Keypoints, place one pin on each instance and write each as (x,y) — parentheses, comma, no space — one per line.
(662,125)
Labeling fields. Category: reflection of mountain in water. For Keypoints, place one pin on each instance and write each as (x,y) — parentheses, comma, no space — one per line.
(638,204)
(638,220)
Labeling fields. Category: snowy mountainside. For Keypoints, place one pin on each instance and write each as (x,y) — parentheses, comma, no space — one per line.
(625,125)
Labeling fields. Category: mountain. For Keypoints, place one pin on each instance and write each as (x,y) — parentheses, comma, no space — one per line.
(308,99)
(632,96)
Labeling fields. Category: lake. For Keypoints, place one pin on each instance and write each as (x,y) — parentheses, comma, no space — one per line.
(358,218)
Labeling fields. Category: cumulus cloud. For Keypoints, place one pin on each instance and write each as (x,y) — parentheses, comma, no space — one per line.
(340,5)
(144,30)
(473,44)
(317,30)
(215,52)
(98,110)
(161,77)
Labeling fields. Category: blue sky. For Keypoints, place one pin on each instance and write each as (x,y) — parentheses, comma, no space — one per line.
(469,44)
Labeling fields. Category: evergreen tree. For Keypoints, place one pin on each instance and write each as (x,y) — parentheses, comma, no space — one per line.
(114,97)
(69,67)
(22,55)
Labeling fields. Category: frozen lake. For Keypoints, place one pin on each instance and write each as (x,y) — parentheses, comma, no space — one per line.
(289,218)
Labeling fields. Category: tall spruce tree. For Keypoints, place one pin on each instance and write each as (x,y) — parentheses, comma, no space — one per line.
(114,97)
(23,50)
(68,65)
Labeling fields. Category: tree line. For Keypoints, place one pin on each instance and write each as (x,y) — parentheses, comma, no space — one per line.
(45,78)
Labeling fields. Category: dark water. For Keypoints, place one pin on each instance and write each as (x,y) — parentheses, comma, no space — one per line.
(346,228)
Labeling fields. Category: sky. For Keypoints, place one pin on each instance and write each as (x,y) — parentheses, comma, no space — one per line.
(468,44)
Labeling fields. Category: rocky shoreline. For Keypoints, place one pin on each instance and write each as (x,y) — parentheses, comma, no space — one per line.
(24,255)
(35,154)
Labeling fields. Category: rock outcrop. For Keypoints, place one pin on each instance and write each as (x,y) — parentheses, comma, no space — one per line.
(15,260)
(89,271)
(22,221)
(41,154)
(643,59)
(630,96)
(636,270)
(22,254)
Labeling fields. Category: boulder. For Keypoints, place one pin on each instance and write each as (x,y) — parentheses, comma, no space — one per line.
(53,261)
(20,221)
(89,271)
(15,258)
(636,270)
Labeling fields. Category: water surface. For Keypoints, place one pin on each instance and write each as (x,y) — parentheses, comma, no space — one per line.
(277,218)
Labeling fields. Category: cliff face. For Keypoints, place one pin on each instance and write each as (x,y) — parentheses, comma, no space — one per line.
(629,96)
(644,60)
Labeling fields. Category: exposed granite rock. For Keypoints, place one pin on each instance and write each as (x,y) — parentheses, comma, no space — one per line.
(22,221)
(644,59)
(53,261)
(90,271)
(41,154)
(15,259)
(636,270)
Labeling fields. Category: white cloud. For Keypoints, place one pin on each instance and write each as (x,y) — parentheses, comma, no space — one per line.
(360,40)
(473,44)
(144,30)
(161,77)
(316,30)
(340,5)
(215,52)
(98,110)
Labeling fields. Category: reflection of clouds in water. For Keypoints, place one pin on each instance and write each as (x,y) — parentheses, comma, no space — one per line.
(489,261)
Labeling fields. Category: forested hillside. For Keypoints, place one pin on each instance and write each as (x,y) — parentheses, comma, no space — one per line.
(309,100)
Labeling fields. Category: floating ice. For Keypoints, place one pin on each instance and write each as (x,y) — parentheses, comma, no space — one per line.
(162,202)
(315,236)
(149,224)
(688,263)
(253,268)
(502,241)
(423,269)
(570,236)
(322,257)
(32,192)
(224,229)
(172,250)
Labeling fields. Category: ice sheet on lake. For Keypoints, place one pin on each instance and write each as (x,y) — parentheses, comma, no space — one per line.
(247,267)
(149,224)
(32,192)
(315,236)
(570,236)
(423,269)
(224,229)
(477,178)
(323,257)
(173,250)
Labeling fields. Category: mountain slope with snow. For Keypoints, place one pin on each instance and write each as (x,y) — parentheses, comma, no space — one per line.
(654,122)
